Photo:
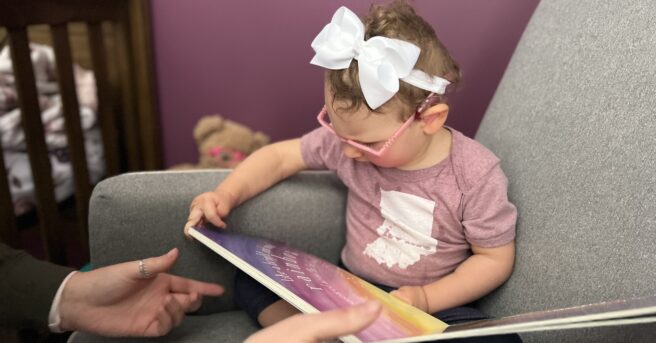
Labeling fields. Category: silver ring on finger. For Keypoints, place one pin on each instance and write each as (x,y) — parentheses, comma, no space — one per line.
(143,270)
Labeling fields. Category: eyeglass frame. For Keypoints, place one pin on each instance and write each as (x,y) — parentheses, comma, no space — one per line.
(430,100)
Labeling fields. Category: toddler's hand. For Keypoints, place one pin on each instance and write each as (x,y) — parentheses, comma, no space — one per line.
(413,295)
(210,206)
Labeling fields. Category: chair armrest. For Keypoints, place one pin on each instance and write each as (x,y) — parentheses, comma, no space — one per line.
(139,215)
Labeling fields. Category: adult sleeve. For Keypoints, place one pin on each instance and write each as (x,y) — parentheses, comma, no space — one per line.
(27,288)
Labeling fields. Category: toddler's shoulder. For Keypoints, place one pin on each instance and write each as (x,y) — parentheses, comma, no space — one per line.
(320,149)
(472,161)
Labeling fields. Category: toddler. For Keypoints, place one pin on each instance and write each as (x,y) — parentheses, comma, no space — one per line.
(428,216)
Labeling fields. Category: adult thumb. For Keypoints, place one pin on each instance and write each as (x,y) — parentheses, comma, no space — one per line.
(160,264)
(336,323)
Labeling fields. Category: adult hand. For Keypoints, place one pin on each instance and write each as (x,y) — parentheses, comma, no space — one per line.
(212,206)
(413,295)
(318,327)
(126,300)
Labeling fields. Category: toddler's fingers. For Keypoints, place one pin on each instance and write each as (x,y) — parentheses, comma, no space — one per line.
(195,216)
(222,212)
(210,212)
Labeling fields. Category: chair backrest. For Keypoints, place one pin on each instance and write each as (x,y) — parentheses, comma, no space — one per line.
(129,127)
(573,122)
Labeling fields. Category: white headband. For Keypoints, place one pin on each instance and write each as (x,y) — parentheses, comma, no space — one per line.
(382,61)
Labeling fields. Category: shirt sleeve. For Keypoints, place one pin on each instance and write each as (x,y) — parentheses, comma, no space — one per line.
(54,317)
(321,149)
(27,288)
(489,218)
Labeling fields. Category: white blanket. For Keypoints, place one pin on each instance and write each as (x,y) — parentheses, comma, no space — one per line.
(13,139)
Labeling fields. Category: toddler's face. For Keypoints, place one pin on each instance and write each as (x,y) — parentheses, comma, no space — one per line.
(374,129)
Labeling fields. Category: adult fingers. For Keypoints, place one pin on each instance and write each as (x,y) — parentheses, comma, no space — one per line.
(146,268)
(333,324)
(190,302)
(161,325)
(183,285)
(174,309)
(150,267)
(321,326)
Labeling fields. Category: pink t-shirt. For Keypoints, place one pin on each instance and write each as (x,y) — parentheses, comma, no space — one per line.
(415,227)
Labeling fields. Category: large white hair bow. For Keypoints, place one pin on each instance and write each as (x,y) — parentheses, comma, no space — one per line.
(382,61)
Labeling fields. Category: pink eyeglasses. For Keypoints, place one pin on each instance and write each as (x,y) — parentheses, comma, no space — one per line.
(431,100)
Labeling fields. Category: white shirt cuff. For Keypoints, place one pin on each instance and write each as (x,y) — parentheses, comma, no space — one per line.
(54,317)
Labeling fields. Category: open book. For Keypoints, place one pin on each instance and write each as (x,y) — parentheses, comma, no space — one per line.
(312,284)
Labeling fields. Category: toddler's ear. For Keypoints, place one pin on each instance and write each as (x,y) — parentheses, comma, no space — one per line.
(434,118)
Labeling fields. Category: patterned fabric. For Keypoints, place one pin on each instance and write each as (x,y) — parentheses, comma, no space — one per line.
(13,139)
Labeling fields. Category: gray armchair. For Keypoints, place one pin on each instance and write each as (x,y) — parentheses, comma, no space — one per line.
(573,122)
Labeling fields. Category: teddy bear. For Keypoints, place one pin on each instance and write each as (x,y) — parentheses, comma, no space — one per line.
(223,143)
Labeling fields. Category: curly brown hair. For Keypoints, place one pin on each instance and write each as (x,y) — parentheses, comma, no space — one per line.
(397,20)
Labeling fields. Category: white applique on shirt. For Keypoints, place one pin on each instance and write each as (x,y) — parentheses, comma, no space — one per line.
(405,235)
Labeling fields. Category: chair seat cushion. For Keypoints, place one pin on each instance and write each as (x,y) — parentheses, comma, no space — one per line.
(230,326)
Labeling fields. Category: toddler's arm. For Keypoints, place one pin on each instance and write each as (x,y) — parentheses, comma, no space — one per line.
(261,170)
(489,218)
(478,275)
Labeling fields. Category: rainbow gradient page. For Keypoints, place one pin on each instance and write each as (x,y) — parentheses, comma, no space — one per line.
(326,286)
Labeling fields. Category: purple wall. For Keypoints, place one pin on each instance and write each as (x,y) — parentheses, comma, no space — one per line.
(248,60)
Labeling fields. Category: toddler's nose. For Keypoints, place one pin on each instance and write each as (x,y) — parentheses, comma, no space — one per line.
(351,152)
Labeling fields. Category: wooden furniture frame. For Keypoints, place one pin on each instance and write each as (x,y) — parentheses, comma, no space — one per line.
(118,31)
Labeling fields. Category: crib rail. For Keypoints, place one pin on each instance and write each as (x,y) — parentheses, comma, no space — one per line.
(124,148)
(36,145)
